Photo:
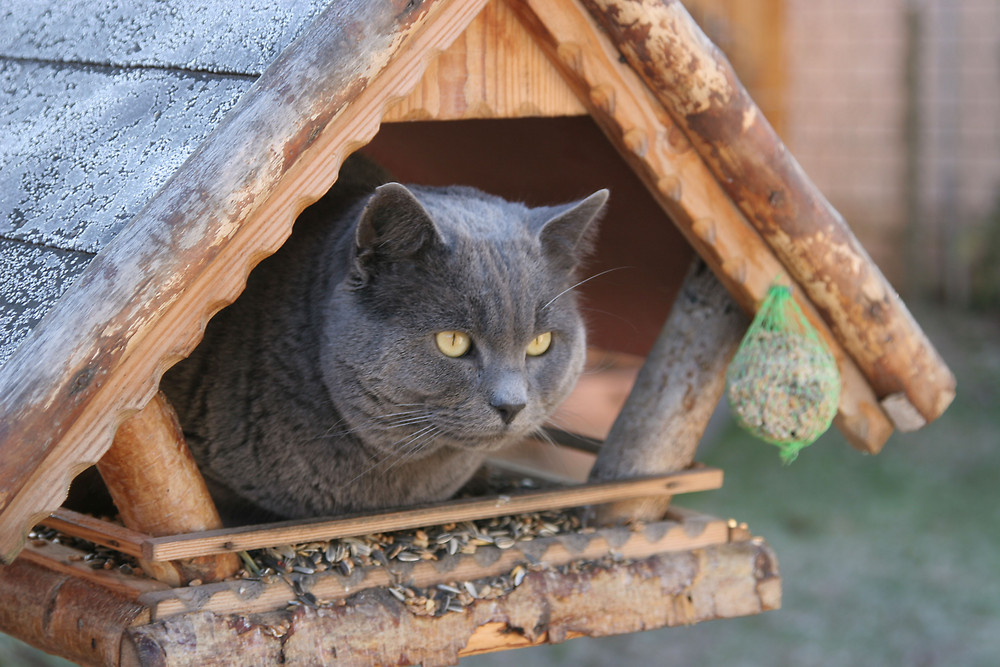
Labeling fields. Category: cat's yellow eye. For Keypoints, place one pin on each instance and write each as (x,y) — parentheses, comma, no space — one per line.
(539,344)
(453,343)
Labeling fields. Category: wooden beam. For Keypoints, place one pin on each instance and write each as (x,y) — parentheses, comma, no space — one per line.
(64,614)
(156,485)
(678,389)
(143,302)
(551,604)
(106,533)
(698,88)
(291,532)
(679,180)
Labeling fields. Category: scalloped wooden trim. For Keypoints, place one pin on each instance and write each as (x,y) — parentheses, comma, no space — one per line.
(144,302)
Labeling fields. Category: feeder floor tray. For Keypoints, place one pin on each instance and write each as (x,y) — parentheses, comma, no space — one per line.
(688,568)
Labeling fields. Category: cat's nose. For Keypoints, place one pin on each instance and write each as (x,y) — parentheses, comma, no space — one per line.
(507,410)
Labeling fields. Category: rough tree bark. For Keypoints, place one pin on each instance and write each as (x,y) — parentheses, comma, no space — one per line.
(158,490)
(678,388)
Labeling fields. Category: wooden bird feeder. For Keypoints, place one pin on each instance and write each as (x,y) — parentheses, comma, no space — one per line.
(540,100)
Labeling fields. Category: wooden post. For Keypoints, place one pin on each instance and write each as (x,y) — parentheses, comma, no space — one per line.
(158,490)
(677,390)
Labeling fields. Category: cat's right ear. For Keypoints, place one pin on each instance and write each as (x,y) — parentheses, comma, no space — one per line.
(394,226)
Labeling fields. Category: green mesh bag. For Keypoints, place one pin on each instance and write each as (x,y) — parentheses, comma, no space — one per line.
(783,384)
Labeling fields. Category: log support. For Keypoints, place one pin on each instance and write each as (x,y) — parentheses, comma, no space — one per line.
(64,614)
(550,605)
(158,490)
(678,388)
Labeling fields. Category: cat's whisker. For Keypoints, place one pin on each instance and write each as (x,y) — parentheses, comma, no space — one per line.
(417,442)
(621,318)
(585,280)
(402,413)
(410,421)
(391,457)
(580,417)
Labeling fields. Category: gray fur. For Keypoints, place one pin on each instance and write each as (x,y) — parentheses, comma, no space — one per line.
(321,390)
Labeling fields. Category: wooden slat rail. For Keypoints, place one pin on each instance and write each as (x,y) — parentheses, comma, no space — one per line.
(227,540)
(293,532)
(98,531)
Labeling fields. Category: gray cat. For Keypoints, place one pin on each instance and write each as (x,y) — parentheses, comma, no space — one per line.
(385,349)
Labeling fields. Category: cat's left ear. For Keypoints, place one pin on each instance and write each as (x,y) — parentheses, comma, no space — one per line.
(394,226)
(568,235)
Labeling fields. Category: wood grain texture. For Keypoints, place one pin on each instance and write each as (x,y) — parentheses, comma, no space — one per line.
(493,70)
(143,302)
(550,605)
(675,394)
(158,490)
(660,153)
(698,88)
(453,511)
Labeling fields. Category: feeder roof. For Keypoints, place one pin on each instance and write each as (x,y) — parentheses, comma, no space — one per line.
(101,102)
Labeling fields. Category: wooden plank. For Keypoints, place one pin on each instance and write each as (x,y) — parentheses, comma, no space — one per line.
(69,561)
(292,532)
(158,490)
(698,531)
(493,70)
(677,391)
(106,533)
(144,301)
(698,88)
(551,604)
(681,183)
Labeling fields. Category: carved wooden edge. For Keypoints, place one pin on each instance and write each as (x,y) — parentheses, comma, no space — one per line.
(697,87)
(144,301)
(550,605)
(677,177)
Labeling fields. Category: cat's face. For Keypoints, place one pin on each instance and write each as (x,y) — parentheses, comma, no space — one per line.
(457,326)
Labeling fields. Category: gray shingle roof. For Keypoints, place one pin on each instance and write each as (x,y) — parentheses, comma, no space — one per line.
(100,101)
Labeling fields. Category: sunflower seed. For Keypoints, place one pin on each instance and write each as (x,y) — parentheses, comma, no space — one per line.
(504,542)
